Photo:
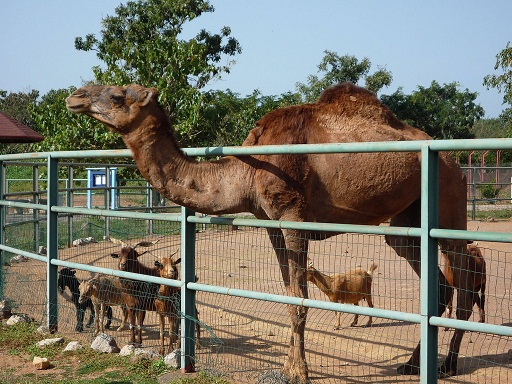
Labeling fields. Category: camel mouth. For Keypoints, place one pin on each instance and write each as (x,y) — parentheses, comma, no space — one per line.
(74,105)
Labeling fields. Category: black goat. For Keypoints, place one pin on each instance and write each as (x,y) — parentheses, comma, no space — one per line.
(68,279)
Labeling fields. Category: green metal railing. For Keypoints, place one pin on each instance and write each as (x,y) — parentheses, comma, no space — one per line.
(428,232)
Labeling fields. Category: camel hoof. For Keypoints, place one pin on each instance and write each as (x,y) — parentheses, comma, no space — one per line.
(79,328)
(296,372)
(444,372)
(107,326)
(408,369)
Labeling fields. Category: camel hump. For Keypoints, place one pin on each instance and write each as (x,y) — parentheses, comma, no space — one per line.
(356,102)
(345,92)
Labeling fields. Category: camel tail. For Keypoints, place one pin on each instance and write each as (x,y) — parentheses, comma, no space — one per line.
(373,267)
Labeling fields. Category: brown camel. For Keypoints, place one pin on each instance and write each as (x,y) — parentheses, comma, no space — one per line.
(355,188)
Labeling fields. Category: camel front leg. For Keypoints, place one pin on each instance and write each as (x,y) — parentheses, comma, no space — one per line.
(292,257)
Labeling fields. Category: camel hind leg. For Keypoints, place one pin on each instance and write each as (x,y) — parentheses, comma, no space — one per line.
(409,248)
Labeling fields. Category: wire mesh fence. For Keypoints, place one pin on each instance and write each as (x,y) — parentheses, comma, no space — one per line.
(246,338)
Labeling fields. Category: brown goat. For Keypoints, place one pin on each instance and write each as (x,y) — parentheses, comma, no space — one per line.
(168,304)
(103,291)
(140,295)
(350,288)
(477,272)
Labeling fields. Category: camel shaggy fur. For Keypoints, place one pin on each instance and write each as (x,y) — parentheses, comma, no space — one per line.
(353,188)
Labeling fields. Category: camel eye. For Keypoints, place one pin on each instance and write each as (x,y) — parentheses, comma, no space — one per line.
(117,98)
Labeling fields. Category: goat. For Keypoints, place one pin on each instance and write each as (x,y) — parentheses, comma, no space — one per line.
(140,296)
(168,304)
(477,272)
(101,291)
(350,288)
(68,279)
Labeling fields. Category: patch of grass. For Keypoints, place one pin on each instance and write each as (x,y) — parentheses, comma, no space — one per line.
(499,214)
(85,366)
(202,378)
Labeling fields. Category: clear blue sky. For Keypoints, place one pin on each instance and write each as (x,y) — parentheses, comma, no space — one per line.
(283,41)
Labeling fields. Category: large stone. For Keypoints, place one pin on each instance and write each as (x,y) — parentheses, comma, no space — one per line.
(173,359)
(127,350)
(73,346)
(41,362)
(47,342)
(105,343)
(43,330)
(15,319)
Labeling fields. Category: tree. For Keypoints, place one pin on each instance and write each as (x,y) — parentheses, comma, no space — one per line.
(18,106)
(338,69)
(503,82)
(143,44)
(444,112)
(227,118)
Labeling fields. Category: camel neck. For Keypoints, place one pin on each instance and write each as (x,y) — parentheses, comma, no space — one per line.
(205,186)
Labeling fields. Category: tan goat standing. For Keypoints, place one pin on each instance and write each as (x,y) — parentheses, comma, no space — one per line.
(346,288)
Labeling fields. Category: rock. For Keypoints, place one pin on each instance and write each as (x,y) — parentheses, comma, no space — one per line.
(41,362)
(127,350)
(43,330)
(73,346)
(83,241)
(147,354)
(19,259)
(47,342)
(15,319)
(5,309)
(173,359)
(105,343)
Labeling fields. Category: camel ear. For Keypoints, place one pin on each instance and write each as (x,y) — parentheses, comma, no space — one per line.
(146,95)
(177,261)
(158,264)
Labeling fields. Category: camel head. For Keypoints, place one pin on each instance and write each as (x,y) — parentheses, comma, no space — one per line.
(120,108)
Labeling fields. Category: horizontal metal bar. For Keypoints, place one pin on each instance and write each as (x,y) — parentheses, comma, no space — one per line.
(321,227)
(500,237)
(11,203)
(385,146)
(118,273)
(30,255)
(319,304)
(473,326)
(123,214)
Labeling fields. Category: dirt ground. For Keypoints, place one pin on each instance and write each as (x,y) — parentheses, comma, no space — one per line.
(245,338)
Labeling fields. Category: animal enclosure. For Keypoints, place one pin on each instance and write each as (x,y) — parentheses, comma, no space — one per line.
(246,335)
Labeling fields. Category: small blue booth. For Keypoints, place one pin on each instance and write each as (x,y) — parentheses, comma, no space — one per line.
(97,179)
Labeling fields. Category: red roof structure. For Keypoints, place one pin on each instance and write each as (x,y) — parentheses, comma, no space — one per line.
(12,131)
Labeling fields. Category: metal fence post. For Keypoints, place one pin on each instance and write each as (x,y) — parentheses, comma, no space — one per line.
(188,297)
(429,297)
(3,211)
(52,244)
